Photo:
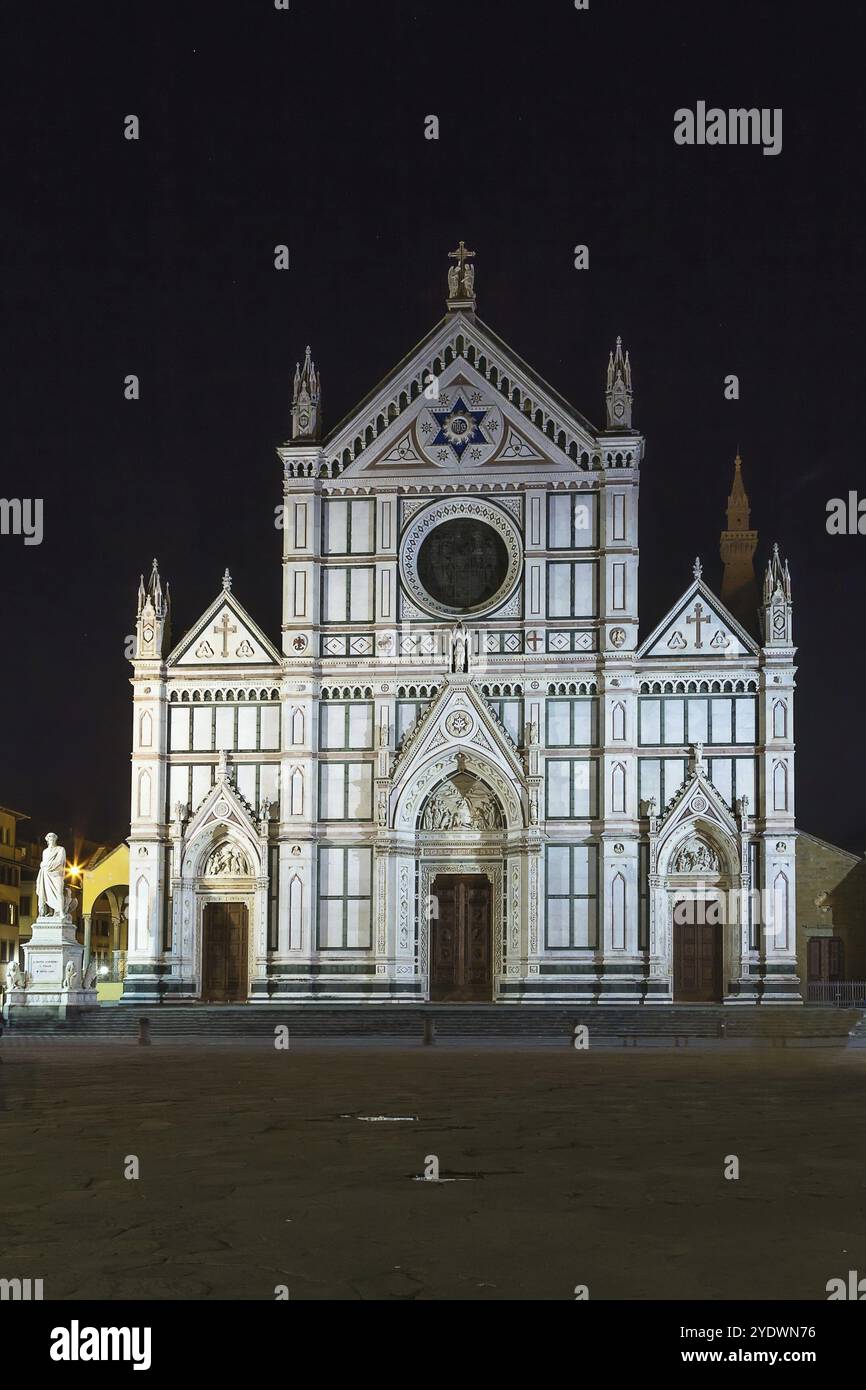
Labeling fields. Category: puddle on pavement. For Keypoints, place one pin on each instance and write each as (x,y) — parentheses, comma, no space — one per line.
(381,1119)
(449,1177)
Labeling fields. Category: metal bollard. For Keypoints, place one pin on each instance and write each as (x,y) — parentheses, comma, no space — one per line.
(429,1031)
(144,1032)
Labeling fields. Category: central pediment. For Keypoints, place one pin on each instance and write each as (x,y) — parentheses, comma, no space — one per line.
(461,401)
(460,425)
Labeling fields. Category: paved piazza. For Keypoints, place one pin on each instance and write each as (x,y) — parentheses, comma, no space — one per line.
(604,1169)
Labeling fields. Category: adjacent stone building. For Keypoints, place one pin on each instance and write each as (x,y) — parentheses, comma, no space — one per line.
(11,855)
(831,913)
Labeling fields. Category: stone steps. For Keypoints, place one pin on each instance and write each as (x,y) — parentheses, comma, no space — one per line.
(465,1021)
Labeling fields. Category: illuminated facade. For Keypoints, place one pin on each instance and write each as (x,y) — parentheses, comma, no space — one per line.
(463,773)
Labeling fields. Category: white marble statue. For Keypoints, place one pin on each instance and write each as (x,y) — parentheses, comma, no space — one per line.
(50,879)
(459,649)
(69,975)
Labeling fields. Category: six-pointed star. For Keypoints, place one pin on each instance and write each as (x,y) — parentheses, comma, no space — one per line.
(459,426)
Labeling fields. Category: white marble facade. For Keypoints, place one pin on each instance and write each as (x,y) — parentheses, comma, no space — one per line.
(461,687)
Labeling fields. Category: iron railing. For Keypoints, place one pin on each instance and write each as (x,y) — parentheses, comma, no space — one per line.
(844,993)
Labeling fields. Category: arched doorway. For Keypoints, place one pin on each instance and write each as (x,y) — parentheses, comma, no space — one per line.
(227,904)
(461,821)
(108,933)
(702,928)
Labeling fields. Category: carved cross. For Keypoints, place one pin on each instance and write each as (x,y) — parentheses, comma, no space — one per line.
(224,627)
(461,255)
(699,618)
(533,640)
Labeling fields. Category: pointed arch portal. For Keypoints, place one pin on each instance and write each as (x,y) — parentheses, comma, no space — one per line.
(700,864)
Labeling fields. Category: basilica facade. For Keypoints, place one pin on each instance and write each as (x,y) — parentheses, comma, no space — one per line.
(467,771)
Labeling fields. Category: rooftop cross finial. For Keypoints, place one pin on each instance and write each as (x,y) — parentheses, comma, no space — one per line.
(227,582)
(697,568)
(461,277)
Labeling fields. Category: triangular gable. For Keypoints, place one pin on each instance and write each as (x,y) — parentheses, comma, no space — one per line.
(398,429)
(223,805)
(456,715)
(466,428)
(697,797)
(698,626)
(225,635)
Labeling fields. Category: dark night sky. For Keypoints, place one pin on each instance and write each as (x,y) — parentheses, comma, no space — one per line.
(306,127)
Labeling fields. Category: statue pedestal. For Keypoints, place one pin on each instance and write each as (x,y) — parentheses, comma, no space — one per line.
(52,948)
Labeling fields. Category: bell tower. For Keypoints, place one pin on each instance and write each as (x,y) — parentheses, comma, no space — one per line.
(737,546)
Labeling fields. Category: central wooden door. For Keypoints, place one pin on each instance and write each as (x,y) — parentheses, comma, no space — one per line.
(461,947)
(697,959)
(224,953)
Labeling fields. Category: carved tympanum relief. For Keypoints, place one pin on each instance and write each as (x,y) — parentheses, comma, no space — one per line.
(462,803)
(226,860)
(696,857)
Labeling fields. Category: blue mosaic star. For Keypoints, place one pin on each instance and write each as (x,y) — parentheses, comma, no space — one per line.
(459,427)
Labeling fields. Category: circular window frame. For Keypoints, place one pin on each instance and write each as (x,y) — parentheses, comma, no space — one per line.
(459,509)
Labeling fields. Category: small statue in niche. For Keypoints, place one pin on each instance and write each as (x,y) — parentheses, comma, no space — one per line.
(459,649)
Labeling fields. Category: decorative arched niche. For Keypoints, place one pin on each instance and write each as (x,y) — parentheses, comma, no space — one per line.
(421,781)
(461,802)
